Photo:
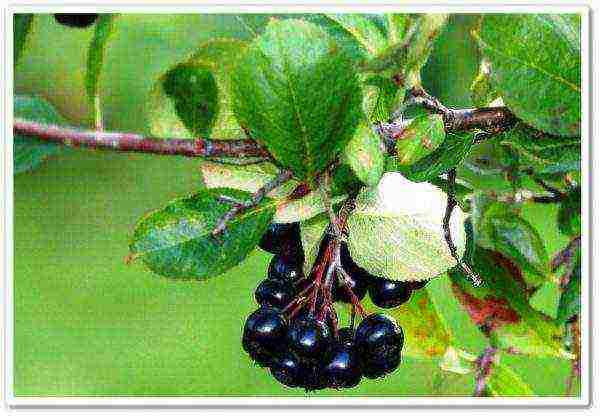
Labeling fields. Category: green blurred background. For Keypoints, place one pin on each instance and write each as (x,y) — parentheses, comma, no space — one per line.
(87,324)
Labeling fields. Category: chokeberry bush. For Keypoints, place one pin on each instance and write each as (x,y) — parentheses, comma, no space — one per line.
(396,168)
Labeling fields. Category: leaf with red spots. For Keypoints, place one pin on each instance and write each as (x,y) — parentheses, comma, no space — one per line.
(500,306)
(427,335)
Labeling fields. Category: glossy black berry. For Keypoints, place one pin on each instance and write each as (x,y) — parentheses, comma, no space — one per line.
(289,370)
(387,293)
(314,379)
(359,278)
(275,293)
(343,368)
(378,337)
(264,335)
(418,285)
(286,268)
(309,338)
(282,237)
(376,368)
(78,20)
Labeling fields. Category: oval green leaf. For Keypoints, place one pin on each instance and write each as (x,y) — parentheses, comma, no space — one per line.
(364,155)
(176,241)
(536,67)
(421,138)
(297,92)
(395,231)
(184,102)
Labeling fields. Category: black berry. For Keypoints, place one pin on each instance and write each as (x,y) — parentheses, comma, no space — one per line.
(275,293)
(343,368)
(282,237)
(286,268)
(264,335)
(309,338)
(289,370)
(359,278)
(78,20)
(387,293)
(378,337)
(376,368)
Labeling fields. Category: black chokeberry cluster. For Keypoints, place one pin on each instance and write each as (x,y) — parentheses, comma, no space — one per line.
(78,20)
(294,332)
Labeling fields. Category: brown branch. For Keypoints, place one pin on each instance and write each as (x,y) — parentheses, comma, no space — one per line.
(131,142)
(492,120)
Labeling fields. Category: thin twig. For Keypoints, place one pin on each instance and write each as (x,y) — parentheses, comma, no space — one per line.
(132,142)
(483,370)
(565,256)
(239,207)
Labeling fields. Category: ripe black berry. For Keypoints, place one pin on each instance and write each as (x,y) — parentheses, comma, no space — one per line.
(418,285)
(376,368)
(289,370)
(359,278)
(343,368)
(264,335)
(378,337)
(286,268)
(387,293)
(281,236)
(309,338)
(275,293)
(78,20)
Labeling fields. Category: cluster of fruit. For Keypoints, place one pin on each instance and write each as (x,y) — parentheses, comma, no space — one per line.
(300,341)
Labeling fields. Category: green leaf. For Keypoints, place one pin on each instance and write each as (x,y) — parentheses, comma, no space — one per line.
(22,25)
(397,25)
(29,152)
(311,233)
(364,155)
(569,214)
(249,178)
(450,154)
(220,56)
(360,35)
(541,153)
(426,333)
(395,231)
(176,241)
(423,136)
(500,307)
(482,90)
(302,209)
(517,239)
(569,304)
(296,91)
(363,29)
(380,97)
(454,62)
(409,55)
(536,67)
(103,29)
(184,102)
(504,382)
